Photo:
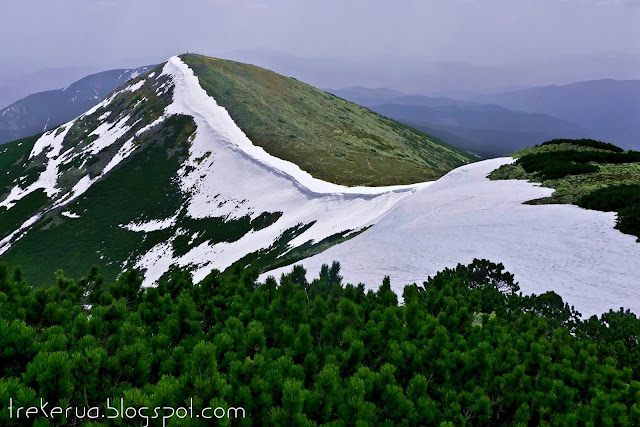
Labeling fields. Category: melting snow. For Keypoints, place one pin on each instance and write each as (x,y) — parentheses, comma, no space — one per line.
(227,176)
(153,225)
(563,248)
(134,87)
(419,229)
(51,144)
(69,214)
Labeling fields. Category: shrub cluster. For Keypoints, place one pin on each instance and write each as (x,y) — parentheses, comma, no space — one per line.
(624,199)
(611,198)
(556,165)
(585,143)
(464,348)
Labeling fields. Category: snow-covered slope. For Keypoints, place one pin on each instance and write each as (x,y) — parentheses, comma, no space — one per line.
(224,176)
(159,175)
(572,251)
(227,176)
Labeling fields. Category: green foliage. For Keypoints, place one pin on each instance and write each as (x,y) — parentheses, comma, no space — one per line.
(611,198)
(12,219)
(327,136)
(628,220)
(586,143)
(625,199)
(464,348)
(143,185)
(554,165)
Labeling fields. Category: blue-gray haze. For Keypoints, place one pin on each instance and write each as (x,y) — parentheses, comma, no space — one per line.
(430,45)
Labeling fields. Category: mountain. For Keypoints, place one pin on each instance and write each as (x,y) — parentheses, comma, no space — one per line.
(608,109)
(15,86)
(205,163)
(45,110)
(444,78)
(487,130)
(367,96)
(371,97)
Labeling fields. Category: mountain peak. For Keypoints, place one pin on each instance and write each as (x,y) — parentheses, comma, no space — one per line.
(180,167)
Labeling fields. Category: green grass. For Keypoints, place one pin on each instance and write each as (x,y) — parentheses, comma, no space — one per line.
(25,208)
(330,138)
(143,188)
(14,161)
(572,188)
(279,254)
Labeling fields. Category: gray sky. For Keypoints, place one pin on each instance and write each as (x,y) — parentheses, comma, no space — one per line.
(104,34)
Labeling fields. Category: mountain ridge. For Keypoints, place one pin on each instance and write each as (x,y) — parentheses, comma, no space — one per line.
(42,111)
(159,174)
(488,130)
(608,108)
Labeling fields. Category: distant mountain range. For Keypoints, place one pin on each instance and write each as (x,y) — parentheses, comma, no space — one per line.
(46,110)
(487,125)
(453,79)
(14,87)
(487,130)
(608,109)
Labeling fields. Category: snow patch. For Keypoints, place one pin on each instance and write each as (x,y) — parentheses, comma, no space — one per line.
(153,225)
(134,87)
(563,248)
(69,214)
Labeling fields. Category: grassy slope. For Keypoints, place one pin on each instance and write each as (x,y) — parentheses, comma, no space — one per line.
(570,189)
(332,139)
(142,185)
(13,164)
(13,161)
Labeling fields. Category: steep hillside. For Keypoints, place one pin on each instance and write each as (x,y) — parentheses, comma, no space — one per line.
(159,174)
(332,139)
(45,110)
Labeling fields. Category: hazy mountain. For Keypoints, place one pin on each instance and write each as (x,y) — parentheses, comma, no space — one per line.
(452,79)
(367,96)
(608,109)
(14,87)
(487,130)
(45,110)
(205,163)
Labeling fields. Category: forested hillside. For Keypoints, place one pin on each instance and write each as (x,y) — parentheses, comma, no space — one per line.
(464,348)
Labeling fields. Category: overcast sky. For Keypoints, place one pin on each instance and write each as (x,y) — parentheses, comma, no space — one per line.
(107,33)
